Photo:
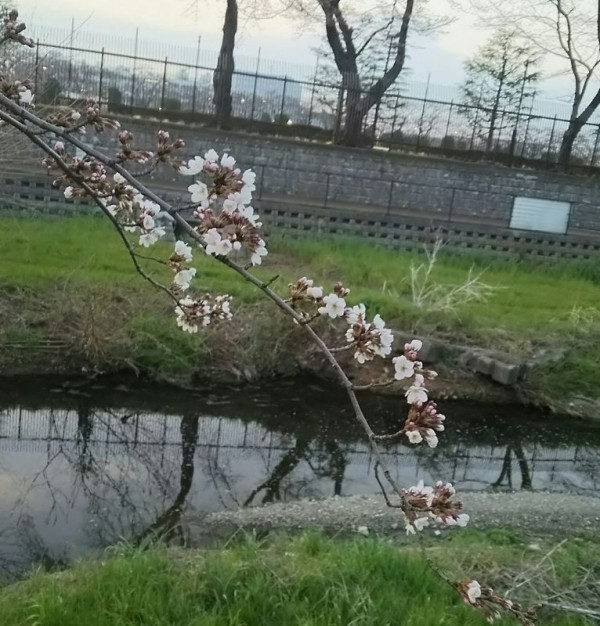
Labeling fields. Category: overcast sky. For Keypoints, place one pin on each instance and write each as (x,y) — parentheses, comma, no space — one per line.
(439,57)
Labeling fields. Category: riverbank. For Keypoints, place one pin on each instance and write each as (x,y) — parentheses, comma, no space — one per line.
(70,302)
(548,514)
(309,579)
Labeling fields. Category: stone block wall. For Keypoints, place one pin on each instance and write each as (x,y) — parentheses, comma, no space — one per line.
(397,200)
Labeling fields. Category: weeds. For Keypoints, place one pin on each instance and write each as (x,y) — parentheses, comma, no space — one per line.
(445,298)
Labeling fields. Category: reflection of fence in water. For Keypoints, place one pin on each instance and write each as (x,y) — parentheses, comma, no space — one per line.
(118,433)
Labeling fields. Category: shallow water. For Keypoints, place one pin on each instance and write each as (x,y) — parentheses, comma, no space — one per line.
(84,467)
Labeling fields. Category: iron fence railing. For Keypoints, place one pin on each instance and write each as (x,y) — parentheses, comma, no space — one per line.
(306,106)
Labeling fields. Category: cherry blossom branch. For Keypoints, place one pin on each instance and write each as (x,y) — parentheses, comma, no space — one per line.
(274,297)
(65,168)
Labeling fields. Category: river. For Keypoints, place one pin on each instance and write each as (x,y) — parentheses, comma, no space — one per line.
(82,467)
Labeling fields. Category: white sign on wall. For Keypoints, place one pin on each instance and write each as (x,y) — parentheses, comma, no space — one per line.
(548,216)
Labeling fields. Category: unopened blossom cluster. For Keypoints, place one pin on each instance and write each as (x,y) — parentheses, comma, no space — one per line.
(492,605)
(221,197)
(368,339)
(12,30)
(425,505)
(134,212)
(19,91)
(193,313)
(85,170)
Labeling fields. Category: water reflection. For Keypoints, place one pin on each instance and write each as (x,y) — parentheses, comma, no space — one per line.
(79,470)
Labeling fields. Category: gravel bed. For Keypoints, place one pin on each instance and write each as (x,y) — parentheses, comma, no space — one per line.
(535,512)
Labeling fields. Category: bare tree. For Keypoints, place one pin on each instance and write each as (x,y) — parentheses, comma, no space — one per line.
(567,30)
(354,34)
(499,78)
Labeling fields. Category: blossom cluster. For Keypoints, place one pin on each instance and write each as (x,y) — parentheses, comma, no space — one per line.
(178,260)
(224,216)
(193,313)
(368,339)
(12,30)
(490,604)
(134,212)
(433,504)
(408,366)
(19,91)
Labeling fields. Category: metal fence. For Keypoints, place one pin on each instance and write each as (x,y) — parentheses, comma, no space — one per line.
(305,106)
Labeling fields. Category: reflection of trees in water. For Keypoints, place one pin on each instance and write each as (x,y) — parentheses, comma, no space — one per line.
(167,523)
(515,448)
(326,462)
(134,478)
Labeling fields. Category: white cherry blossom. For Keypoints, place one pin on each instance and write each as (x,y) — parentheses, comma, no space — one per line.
(26,97)
(183,278)
(211,156)
(431,438)
(404,368)
(334,306)
(259,252)
(194,166)
(414,436)
(316,293)
(415,345)
(249,178)
(417,525)
(473,591)
(183,250)
(416,395)
(119,179)
(69,193)
(199,193)
(356,315)
(149,239)
(148,222)
(227,161)
(215,244)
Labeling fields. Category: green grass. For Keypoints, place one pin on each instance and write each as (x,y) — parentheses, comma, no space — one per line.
(531,307)
(303,581)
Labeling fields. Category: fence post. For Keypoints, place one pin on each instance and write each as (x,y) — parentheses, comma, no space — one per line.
(395,119)
(312,94)
(449,116)
(593,161)
(101,78)
(421,122)
(132,86)
(37,65)
(327,190)
(338,116)
(255,85)
(474,129)
(283,100)
(423,112)
(164,85)
(551,140)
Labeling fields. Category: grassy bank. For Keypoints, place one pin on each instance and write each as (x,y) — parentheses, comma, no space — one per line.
(68,284)
(302,581)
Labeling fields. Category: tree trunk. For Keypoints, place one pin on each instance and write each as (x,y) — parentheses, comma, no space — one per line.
(355,113)
(568,140)
(223,74)
(576,123)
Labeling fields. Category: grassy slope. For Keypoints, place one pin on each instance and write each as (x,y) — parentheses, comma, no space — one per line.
(302,581)
(532,306)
